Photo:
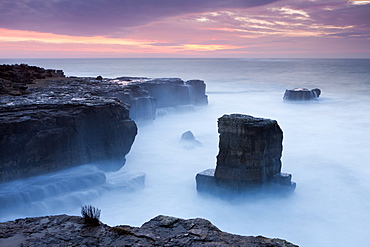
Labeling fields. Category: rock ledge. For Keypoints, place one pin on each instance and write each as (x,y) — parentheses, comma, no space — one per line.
(64,230)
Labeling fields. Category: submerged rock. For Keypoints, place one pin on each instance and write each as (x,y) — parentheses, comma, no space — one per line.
(64,230)
(249,156)
(189,141)
(301,94)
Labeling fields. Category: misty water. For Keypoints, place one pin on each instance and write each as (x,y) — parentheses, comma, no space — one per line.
(326,149)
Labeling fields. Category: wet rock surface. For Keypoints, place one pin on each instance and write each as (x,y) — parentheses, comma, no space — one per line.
(49,122)
(64,230)
(301,94)
(249,149)
(40,136)
(249,156)
(188,140)
(171,92)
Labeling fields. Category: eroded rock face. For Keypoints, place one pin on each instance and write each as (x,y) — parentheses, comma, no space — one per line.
(149,98)
(142,105)
(63,230)
(300,94)
(61,122)
(249,157)
(45,136)
(249,149)
(175,92)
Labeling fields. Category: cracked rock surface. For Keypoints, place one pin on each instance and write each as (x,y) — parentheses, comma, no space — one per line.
(64,230)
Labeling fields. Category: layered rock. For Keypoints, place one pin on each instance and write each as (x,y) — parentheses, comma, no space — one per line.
(63,230)
(301,94)
(45,134)
(59,122)
(171,92)
(142,105)
(249,155)
(151,97)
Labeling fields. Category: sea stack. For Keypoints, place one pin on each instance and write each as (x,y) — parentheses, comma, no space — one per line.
(249,157)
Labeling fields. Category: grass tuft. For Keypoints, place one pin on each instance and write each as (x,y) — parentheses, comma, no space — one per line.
(91,215)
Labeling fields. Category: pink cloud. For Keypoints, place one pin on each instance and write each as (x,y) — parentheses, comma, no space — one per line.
(98,28)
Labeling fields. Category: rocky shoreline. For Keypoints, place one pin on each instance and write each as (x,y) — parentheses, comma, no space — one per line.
(64,230)
(56,122)
(49,122)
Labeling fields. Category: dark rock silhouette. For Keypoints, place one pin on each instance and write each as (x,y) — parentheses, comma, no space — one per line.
(301,94)
(64,230)
(249,156)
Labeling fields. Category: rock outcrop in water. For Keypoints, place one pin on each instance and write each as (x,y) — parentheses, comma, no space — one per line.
(249,157)
(41,134)
(49,122)
(171,92)
(64,230)
(188,140)
(300,94)
(151,97)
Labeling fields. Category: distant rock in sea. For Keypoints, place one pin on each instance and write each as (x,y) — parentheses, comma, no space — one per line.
(189,141)
(300,94)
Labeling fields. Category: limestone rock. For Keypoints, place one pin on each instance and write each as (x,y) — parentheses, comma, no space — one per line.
(301,94)
(249,156)
(44,136)
(249,149)
(174,91)
(64,230)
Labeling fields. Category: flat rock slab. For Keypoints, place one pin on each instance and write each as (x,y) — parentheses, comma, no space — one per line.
(207,183)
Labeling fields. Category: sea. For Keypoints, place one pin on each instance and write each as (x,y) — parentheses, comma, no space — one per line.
(326,148)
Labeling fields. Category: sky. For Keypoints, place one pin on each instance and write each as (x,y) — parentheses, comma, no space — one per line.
(184,28)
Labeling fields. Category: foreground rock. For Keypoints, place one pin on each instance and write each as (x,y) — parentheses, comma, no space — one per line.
(300,94)
(249,157)
(66,230)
